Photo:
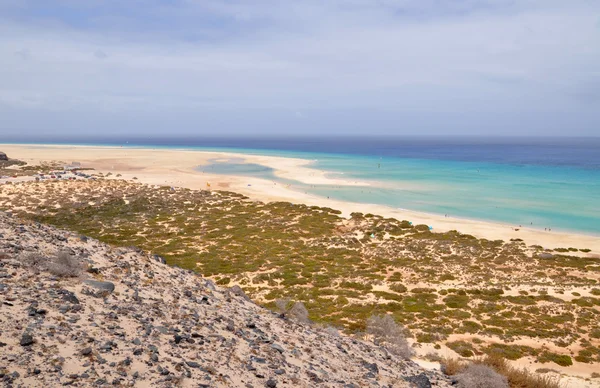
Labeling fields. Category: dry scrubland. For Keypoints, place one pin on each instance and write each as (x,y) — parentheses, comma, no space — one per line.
(81,313)
(474,296)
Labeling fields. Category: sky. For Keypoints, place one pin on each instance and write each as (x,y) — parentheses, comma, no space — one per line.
(311,67)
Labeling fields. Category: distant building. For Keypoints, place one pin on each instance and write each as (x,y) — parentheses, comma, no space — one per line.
(3,156)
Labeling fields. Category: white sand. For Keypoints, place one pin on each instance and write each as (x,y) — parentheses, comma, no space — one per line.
(178,168)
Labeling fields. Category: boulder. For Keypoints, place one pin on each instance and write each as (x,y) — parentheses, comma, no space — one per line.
(26,339)
(102,287)
(3,156)
(419,381)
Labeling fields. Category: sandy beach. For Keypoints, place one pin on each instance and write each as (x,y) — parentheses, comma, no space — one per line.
(182,168)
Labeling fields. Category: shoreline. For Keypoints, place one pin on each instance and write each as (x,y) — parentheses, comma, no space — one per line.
(178,167)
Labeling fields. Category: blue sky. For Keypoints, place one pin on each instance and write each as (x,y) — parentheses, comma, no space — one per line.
(208,67)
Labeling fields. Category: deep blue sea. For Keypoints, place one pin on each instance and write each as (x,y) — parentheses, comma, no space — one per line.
(544,183)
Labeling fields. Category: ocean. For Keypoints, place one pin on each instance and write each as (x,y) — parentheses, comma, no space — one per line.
(541,183)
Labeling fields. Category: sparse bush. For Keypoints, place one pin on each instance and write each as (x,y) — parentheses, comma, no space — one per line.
(33,261)
(389,334)
(65,265)
(520,378)
(463,348)
(560,359)
(296,311)
(299,312)
(452,366)
(516,378)
(283,305)
(399,288)
(480,376)
(62,264)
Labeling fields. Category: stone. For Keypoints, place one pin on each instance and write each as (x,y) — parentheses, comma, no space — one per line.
(63,308)
(419,381)
(68,296)
(108,287)
(371,366)
(86,351)
(278,348)
(26,339)
(271,383)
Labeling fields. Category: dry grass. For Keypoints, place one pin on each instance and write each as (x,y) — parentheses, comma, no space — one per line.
(62,264)
(452,366)
(65,265)
(480,376)
(298,312)
(283,305)
(517,378)
(33,261)
(387,332)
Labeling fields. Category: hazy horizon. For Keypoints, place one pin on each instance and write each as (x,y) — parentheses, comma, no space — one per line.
(211,68)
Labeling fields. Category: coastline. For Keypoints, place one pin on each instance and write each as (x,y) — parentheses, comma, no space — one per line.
(178,167)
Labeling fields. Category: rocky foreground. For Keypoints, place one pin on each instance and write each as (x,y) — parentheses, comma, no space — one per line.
(125,318)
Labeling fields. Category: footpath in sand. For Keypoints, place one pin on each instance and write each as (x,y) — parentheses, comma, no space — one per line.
(181,168)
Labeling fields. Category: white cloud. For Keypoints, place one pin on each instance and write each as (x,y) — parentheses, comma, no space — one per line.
(474,58)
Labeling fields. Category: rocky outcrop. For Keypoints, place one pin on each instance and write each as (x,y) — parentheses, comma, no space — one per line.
(132,320)
(3,156)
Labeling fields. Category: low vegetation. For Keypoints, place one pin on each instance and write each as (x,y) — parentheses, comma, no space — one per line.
(343,271)
(293,310)
(61,264)
(386,332)
(493,371)
(480,376)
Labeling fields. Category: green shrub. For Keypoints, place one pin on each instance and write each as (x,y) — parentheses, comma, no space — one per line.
(463,348)
(456,301)
(560,359)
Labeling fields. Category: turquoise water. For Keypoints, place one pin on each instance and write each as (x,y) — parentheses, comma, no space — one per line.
(560,198)
(540,183)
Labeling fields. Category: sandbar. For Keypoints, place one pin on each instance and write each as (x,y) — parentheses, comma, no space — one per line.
(182,168)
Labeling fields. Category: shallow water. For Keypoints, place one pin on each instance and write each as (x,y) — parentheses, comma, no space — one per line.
(557,197)
(544,183)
